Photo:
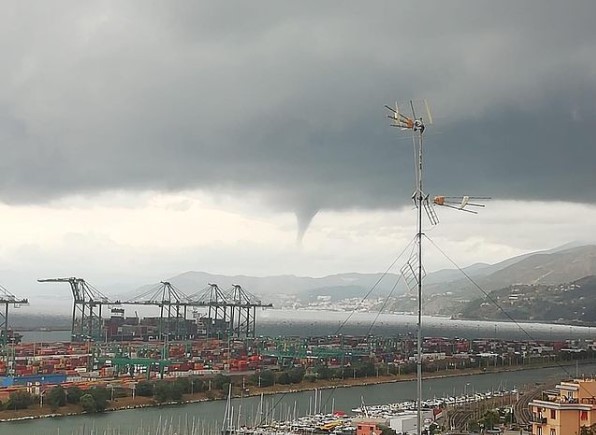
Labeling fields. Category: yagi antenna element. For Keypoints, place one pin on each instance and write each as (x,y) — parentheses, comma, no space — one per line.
(417,126)
(405,122)
(461,202)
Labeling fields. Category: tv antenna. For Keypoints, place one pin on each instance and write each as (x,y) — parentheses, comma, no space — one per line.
(460,202)
(413,272)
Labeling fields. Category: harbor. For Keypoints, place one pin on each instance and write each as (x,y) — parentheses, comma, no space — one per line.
(332,364)
(211,414)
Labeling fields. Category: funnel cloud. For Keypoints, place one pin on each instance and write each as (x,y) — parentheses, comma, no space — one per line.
(304,218)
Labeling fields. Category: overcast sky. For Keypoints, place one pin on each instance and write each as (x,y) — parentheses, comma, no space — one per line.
(143,139)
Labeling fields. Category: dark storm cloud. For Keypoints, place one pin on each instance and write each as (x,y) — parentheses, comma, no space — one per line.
(285,99)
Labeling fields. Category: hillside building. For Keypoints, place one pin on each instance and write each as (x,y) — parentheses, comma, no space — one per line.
(565,410)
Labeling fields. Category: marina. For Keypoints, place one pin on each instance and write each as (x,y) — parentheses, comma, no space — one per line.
(211,414)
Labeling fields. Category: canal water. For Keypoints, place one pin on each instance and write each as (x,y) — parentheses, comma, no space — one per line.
(211,414)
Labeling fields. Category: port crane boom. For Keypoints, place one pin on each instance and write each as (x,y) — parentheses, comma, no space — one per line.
(86,309)
(6,299)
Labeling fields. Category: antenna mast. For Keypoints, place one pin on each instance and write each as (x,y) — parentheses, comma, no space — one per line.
(417,126)
(419,200)
(413,272)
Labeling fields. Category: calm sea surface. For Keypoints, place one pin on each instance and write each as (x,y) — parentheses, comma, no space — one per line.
(312,323)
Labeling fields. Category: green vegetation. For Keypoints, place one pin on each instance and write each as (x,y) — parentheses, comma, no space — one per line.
(19,400)
(56,397)
(164,391)
(572,302)
(221,382)
(73,394)
(95,400)
(88,403)
(386,430)
(585,430)
(145,389)
(265,378)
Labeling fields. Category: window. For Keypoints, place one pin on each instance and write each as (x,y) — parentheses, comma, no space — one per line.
(583,415)
(553,414)
(553,432)
(539,430)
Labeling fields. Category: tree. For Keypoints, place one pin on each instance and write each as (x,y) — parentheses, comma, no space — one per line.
(386,430)
(161,391)
(56,397)
(433,428)
(182,384)
(296,375)
(177,390)
(490,419)
(266,378)
(365,369)
(19,400)
(164,391)
(221,382)
(73,394)
(88,403)
(283,378)
(101,397)
(145,389)
(198,385)
(323,372)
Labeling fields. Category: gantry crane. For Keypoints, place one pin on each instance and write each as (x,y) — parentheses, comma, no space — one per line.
(173,305)
(86,309)
(217,320)
(243,306)
(232,312)
(6,299)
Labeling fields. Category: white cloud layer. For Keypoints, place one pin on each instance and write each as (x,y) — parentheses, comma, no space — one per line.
(120,241)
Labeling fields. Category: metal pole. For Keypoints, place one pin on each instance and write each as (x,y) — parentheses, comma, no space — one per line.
(419,200)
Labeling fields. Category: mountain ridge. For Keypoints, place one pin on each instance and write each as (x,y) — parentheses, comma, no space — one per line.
(554,266)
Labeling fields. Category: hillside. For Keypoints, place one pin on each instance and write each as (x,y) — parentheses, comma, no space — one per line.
(286,289)
(548,267)
(446,291)
(573,302)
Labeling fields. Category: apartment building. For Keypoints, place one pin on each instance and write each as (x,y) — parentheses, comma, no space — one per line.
(566,410)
